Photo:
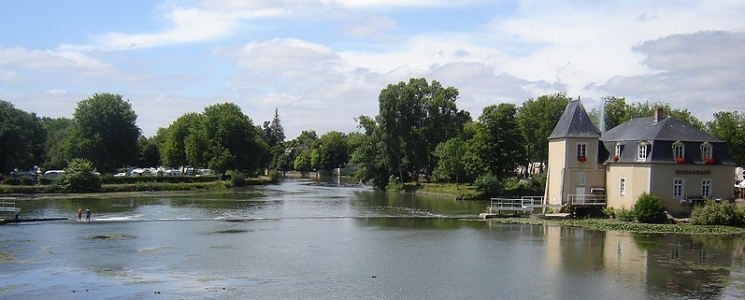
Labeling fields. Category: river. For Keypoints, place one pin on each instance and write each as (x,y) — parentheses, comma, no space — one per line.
(305,239)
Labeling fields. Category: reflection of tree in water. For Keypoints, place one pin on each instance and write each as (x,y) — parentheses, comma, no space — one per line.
(691,266)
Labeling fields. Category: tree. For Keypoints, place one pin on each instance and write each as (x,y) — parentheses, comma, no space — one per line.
(369,153)
(148,152)
(537,119)
(226,139)
(58,143)
(104,132)
(618,111)
(730,127)
(497,146)
(451,165)
(329,151)
(414,118)
(273,131)
(21,138)
(173,139)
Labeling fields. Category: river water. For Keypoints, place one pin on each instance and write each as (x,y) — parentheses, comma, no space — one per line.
(306,239)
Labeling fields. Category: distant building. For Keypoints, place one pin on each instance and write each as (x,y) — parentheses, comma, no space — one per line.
(658,155)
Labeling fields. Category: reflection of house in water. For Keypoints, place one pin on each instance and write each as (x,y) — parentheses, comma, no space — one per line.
(658,155)
(655,266)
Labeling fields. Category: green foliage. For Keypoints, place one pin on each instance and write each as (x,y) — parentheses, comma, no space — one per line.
(57,146)
(648,209)
(329,151)
(451,165)
(275,176)
(21,138)
(497,147)
(394,184)
(609,212)
(489,185)
(537,119)
(79,177)
(730,127)
(105,132)
(237,179)
(274,134)
(148,152)
(12,181)
(713,213)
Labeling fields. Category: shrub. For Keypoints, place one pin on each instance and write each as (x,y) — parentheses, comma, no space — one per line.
(12,181)
(609,212)
(488,184)
(237,179)
(648,209)
(712,213)
(623,214)
(394,184)
(79,177)
(45,181)
(275,176)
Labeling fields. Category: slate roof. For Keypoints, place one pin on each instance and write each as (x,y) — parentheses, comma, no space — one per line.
(667,129)
(574,122)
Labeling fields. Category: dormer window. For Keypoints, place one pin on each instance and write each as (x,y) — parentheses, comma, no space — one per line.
(642,150)
(617,152)
(707,153)
(582,152)
(679,152)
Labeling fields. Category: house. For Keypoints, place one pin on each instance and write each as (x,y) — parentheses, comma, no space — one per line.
(658,155)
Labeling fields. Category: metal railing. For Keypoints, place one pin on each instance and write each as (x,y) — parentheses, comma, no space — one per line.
(586,199)
(8,204)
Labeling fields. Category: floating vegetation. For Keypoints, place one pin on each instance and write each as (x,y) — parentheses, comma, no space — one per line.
(6,257)
(110,237)
(232,231)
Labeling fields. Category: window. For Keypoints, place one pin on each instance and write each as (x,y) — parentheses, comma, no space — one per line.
(619,148)
(706,153)
(679,152)
(581,152)
(678,189)
(706,188)
(643,150)
(622,186)
(581,179)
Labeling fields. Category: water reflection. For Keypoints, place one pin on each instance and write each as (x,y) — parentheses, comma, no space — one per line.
(308,239)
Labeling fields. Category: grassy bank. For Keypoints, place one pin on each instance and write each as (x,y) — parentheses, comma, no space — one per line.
(609,224)
(135,187)
(461,192)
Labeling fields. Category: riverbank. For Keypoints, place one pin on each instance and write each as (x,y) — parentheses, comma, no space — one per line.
(616,225)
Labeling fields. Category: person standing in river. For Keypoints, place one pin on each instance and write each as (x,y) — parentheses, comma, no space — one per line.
(87,214)
(80,214)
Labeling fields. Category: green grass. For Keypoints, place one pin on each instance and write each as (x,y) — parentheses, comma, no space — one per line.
(462,192)
(616,225)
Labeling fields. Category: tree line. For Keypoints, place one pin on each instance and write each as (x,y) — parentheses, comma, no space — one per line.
(418,134)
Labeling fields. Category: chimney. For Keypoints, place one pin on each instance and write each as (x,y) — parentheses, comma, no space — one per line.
(658,114)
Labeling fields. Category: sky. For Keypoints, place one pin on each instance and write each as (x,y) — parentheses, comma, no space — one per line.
(323,63)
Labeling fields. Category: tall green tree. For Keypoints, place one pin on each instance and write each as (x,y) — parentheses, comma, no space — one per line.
(414,118)
(497,147)
(273,131)
(172,139)
(226,140)
(148,155)
(729,126)
(537,119)
(330,151)
(105,132)
(451,164)
(58,142)
(21,138)
(370,154)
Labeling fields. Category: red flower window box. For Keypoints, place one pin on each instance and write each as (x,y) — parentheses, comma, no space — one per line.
(616,158)
(680,160)
(708,160)
(581,159)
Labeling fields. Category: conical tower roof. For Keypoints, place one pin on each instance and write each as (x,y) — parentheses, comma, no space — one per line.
(574,122)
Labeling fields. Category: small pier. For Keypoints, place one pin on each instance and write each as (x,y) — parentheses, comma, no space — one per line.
(515,206)
(8,204)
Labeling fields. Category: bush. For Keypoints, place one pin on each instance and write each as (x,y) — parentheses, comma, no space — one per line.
(12,181)
(648,209)
(45,181)
(237,179)
(712,213)
(275,176)
(609,212)
(394,184)
(488,184)
(79,177)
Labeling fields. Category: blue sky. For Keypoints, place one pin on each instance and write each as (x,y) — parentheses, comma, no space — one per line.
(322,63)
